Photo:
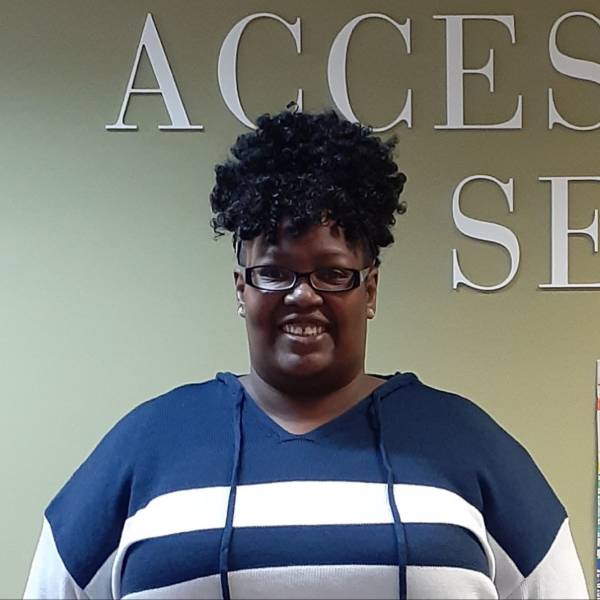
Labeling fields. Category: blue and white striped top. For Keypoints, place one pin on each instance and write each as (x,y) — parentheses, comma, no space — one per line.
(412,493)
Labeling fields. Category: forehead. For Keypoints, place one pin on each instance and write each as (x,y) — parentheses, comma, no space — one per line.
(320,241)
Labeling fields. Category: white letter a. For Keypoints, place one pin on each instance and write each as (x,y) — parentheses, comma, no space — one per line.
(164,77)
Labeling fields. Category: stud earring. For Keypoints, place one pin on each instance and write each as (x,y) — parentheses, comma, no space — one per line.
(241,311)
(370,313)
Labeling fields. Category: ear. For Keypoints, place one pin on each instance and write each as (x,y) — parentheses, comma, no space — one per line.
(240,286)
(371,289)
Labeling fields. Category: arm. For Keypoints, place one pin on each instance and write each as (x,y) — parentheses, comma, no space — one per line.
(49,578)
(82,525)
(559,573)
(527,525)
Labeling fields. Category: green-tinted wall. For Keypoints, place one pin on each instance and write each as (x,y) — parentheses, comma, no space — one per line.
(113,290)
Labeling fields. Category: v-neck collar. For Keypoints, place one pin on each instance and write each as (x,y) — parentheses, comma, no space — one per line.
(391,383)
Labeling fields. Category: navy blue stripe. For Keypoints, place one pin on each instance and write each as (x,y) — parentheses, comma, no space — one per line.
(173,559)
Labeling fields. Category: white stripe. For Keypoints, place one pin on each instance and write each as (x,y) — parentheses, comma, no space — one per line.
(178,512)
(99,585)
(508,575)
(332,581)
(299,503)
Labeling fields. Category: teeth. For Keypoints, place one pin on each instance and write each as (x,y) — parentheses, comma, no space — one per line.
(308,330)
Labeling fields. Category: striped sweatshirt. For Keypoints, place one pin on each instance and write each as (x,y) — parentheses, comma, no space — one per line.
(411,493)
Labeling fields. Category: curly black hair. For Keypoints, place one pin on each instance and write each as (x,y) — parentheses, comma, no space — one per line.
(307,168)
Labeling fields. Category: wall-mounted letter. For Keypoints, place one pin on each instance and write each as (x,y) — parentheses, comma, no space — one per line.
(167,87)
(336,70)
(559,278)
(573,67)
(455,71)
(227,67)
(486,231)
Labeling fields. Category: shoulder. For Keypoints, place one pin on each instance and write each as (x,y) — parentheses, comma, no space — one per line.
(205,396)
(454,431)
(405,398)
(150,439)
(202,405)
(471,426)
(152,433)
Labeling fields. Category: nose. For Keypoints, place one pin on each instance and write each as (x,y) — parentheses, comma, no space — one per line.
(303,295)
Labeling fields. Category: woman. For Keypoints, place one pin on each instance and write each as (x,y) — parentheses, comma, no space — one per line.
(307,477)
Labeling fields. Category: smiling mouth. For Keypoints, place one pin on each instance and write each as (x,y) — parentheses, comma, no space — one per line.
(303,331)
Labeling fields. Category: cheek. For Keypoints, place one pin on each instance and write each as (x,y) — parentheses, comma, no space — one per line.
(261,320)
(349,320)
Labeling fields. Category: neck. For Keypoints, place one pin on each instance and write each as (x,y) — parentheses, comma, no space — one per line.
(299,413)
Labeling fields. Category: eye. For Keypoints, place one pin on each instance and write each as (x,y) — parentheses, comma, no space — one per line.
(272,273)
(334,274)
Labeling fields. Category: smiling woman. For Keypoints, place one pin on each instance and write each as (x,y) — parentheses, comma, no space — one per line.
(307,477)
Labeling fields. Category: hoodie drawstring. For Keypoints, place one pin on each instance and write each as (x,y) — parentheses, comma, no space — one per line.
(228,529)
(399,529)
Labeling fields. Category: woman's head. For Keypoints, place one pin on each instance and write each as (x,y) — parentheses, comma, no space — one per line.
(305,193)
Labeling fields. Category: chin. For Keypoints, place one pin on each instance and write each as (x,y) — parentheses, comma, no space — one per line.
(302,367)
(307,375)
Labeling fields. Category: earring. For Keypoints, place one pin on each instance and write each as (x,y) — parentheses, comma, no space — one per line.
(370,313)
(241,311)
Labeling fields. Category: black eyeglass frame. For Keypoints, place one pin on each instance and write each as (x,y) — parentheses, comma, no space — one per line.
(358,276)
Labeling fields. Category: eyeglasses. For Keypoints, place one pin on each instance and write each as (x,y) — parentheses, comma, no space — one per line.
(272,278)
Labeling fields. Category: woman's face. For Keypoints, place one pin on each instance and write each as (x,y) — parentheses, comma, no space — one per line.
(307,363)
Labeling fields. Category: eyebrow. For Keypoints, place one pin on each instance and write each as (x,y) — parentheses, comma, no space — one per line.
(327,251)
(277,254)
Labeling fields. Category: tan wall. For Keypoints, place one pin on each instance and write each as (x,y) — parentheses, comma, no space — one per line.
(113,290)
